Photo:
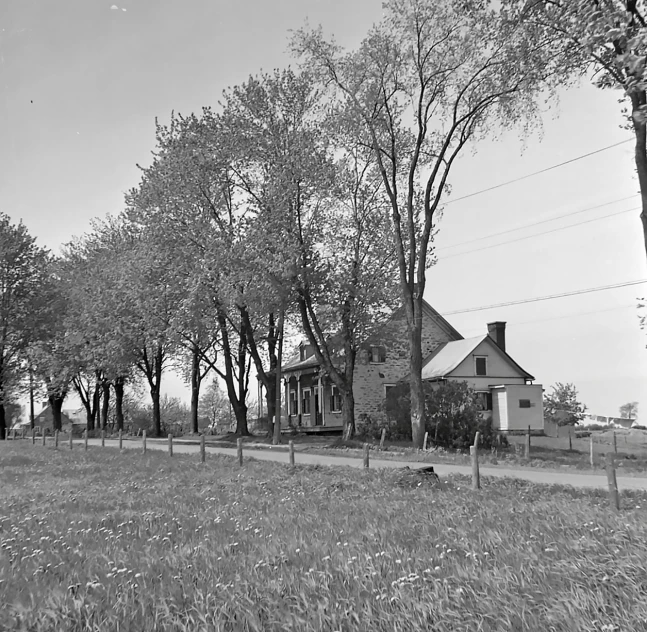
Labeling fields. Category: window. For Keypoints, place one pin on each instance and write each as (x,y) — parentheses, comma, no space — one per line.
(378,355)
(293,402)
(335,399)
(305,401)
(484,400)
(524,403)
(480,365)
(387,390)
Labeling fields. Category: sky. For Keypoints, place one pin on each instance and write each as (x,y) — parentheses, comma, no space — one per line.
(82,82)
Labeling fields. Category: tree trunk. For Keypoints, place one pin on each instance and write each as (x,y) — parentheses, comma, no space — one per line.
(240,411)
(119,402)
(270,397)
(56,403)
(155,390)
(236,384)
(348,414)
(3,423)
(157,416)
(195,388)
(31,397)
(105,402)
(638,99)
(96,405)
(415,370)
(276,439)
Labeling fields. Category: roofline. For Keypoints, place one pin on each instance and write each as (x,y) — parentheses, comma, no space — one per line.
(491,341)
(436,316)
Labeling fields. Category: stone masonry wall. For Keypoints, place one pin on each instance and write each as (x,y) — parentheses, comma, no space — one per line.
(369,379)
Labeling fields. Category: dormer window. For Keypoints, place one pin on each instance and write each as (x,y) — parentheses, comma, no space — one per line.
(302,353)
(378,355)
(480,365)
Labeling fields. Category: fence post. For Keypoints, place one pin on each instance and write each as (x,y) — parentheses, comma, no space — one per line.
(476,479)
(103,438)
(24,430)
(203,451)
(570,438)
(291,451)
(239,450)
(366,455)
(170,445)
(121,440)
(56,439)
(591,449)
(614,497)
(424,445)
(33,436)
(615,443)
(527,450)
(85,439)
(44,436)
(70,438)
(144,442)
(382,438)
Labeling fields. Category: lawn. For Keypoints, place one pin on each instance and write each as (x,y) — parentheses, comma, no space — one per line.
(108,541)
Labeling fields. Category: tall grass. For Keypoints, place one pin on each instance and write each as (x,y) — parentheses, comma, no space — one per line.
(108,541)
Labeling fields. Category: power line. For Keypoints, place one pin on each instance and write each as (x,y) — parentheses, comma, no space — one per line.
(536,173)
(567,316)
(546,232)
(547,298)
(544,221)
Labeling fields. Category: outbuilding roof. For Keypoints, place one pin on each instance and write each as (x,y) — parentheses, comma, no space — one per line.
(446,358)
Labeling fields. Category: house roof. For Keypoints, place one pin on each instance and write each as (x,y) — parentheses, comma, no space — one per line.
(446,358)
(296,365)
(431,313)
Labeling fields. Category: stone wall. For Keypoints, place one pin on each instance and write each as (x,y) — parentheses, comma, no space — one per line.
(370,378)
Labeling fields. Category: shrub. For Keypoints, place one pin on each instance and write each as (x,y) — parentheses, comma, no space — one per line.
(453,416)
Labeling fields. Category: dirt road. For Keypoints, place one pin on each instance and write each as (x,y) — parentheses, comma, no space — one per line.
(281,456)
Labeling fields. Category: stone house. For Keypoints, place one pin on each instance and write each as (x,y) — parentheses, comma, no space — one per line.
(313,402)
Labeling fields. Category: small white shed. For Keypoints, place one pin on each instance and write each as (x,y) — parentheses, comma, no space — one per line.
(517,406)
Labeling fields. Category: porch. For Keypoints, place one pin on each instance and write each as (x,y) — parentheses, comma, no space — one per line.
(312,402)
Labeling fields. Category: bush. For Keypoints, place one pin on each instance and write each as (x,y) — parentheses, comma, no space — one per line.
(453,416)
(598,427)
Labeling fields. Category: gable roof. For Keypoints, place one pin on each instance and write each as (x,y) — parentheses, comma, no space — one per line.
(432,314)
(295,364)
(442,361)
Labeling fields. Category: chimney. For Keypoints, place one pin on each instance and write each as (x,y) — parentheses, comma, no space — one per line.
(496,331)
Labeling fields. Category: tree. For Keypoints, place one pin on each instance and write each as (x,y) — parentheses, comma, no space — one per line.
(629,410)
(609,37)
(104,352)
(214,407)
(188,192)
(562,407)
(316,229)
(429,78)
(24,279)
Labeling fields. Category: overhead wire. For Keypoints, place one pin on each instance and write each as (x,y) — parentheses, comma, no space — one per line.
(536,173)
(546,232)
(546,298)
(544,221)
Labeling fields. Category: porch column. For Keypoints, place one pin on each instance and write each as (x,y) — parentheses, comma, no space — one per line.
(322,403)
(299,396)
(287,399)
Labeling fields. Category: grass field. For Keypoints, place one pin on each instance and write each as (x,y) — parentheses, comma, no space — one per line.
(107,541)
